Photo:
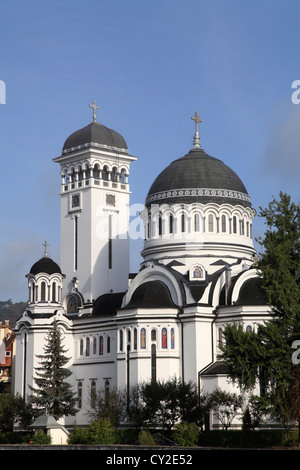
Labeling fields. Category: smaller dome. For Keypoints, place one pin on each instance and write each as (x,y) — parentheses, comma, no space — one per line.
(45,265)
(95,134)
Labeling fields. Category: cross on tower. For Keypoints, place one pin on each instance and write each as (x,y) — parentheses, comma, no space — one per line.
(93,106)
(197,120)
(45,245)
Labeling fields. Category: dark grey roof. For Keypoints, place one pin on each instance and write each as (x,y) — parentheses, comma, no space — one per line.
(45,422)
(152,294)
(216,368)
(107,304)
(198,177)
(45,265)
(97,134)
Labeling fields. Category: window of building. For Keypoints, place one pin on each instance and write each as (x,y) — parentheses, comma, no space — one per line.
(143,338)
(81,347)
(234,222)
(223,222)
(87,347)
(43,291)
(210,223)
(171,224)
(101,345)
(164,338)
(79,394)
(93,393)
(121,340)
(135,338)
(172,338)
(95,346)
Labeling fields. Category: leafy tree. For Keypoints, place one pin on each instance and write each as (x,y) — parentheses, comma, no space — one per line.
(108,404)
(186,434)
(53,393)
(226,406)
(165,403)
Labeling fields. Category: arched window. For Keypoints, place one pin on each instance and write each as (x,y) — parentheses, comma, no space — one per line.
(160,225)
(108,345)
(143,338)
(43,291)
(153,362)
(81,347)
(172,338)
(128,338)
(164,338)
(105,173)
(87,347)
(220,336)
(135,338)
(96,171)
(106,391)
(94,346)
(153,335)
(242,227)
(223,222)
(122,176)
(249,329)
(234,228)
(196,222)
(93,393)
(79,394)
(183,222)
(210,223)
(114,174)
(101,345)
(121,340)
(54,292)
(171,224)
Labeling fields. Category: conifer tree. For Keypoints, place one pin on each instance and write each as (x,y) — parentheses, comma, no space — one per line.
(53,393)
(266,355)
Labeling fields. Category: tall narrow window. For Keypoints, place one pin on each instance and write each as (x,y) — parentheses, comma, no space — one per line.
(182,222)
(93,393)
(172,338)
(234,224)
(196,222)
(94,346)
(87,349)
(110,241)
(164,339)
(135,338)
(143,338)
(101,345)
(108,345)
(153,362)
(81,347)
(79,394)
(76,242)
(171,224)
(210,223)
(121,340)
(223,223)
(54,292)
(159,225)
(43,291)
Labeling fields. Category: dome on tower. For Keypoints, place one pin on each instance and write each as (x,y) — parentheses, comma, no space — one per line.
(97,135)
(198,177)
(45,265)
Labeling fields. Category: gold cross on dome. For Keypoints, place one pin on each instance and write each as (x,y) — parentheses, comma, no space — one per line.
(197,119)
(93,106)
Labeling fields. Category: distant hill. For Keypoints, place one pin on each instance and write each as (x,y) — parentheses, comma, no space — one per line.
(10,311)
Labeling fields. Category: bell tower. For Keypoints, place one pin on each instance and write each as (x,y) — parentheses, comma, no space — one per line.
(95,165)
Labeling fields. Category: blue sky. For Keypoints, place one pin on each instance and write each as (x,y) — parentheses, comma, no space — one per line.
(149,65)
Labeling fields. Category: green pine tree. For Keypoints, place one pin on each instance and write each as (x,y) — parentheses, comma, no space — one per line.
(266,355)
(53,393)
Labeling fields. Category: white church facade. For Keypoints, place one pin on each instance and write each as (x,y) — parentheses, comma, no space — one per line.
(197,274)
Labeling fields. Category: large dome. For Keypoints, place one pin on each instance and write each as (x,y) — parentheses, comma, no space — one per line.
(198,177)
(95,134)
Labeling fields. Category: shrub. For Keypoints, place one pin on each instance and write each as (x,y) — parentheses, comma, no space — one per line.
(101,431)
(145,438)
(41,438)
(78,436)
(186,434)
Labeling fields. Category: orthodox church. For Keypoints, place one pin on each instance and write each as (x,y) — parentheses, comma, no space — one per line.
(198,271)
